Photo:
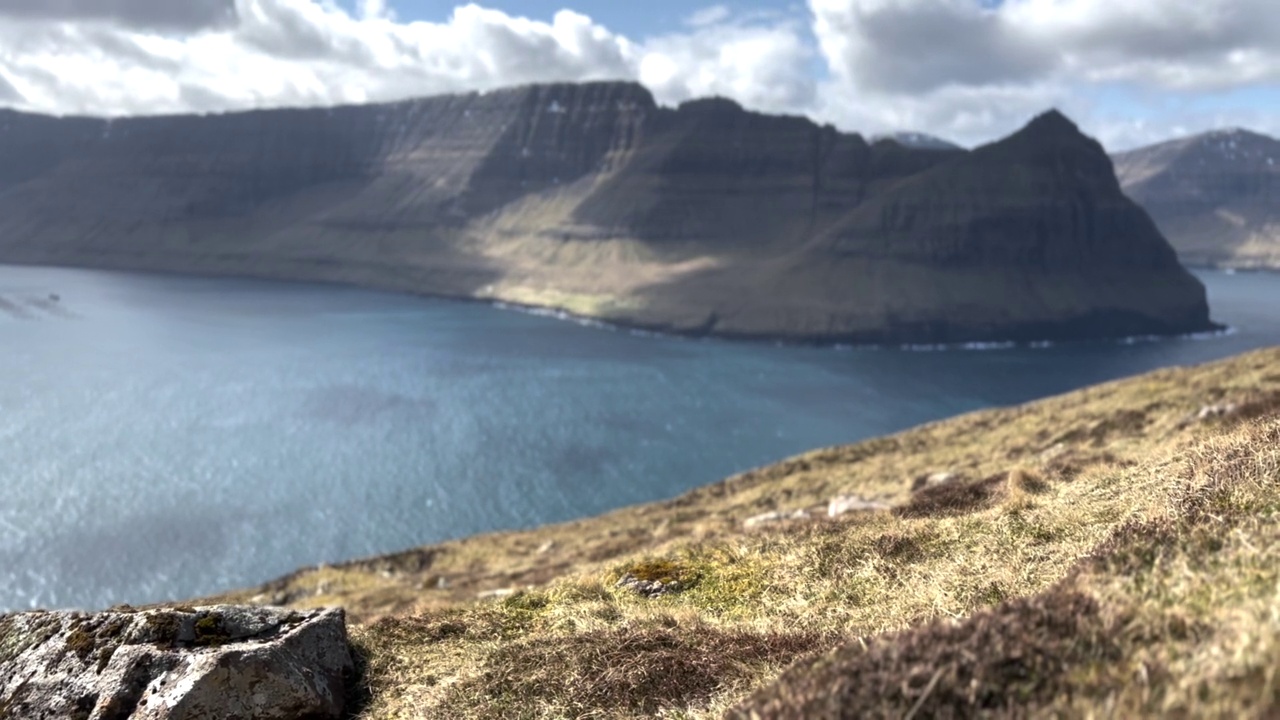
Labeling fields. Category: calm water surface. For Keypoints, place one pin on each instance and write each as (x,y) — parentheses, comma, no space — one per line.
(168,437)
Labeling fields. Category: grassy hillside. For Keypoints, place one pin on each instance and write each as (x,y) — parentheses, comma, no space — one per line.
(1108,552)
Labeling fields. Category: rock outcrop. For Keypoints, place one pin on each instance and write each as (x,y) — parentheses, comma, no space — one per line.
(226,662)
(1215,196)
(702,219)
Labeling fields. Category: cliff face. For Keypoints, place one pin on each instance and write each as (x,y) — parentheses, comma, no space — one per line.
(702,219)
(1216,196)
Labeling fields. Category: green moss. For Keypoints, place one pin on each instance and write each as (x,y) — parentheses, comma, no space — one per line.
(80,640)
(726,581)
(525,602)
(88,636)
(209,631)
(163,627)
(663,570)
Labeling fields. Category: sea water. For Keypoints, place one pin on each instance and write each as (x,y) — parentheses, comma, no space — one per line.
(166,437)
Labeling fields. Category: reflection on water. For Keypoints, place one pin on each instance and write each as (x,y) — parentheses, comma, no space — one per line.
(168,437)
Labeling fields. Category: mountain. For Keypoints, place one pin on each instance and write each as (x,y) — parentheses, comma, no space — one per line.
(1215,196)
(921,141)
(700,219)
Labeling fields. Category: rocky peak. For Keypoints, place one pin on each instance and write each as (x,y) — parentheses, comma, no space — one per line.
(1051,122)
(1049,133)
(1056,150)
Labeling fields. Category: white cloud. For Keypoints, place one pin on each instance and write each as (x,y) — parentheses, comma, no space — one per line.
(375,10)
(1175,44)
(708,16)
(971,70)
(912,46)
(762,67)
(962,69)
(292,52)
(9,93)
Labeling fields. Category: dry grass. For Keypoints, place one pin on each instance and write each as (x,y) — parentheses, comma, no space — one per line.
(1173,615)
(1108,554)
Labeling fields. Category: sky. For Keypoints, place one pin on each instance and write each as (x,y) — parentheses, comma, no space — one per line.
(1130,72)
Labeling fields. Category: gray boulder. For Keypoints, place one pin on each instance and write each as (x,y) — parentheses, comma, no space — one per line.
(222,662)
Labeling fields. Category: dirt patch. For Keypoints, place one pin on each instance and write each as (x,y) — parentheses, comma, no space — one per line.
(952,498)
(895,546)
(1124,422)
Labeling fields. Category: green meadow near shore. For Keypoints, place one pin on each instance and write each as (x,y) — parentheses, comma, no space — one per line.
(1106,553)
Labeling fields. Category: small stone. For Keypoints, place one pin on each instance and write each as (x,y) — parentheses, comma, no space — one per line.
(775,516)
(649,588)
(546,547)
(934,480)
(495,594)
(1209,412)
(1054,452)
(842,504)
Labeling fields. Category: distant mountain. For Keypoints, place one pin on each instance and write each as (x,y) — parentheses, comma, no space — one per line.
(921,141)
(704,219)
(1215,196)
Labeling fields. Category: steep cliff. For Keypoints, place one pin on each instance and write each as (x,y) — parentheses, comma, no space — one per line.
(1215,196)
(704,218)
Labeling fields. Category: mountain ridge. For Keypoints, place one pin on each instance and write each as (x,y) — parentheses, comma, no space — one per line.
(1215,195)
(591,199)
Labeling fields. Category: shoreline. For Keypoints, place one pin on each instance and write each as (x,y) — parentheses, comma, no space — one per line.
(1020,336)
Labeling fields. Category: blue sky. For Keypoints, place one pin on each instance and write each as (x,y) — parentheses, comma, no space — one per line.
(1129,72)
(634,19)
(639,19)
